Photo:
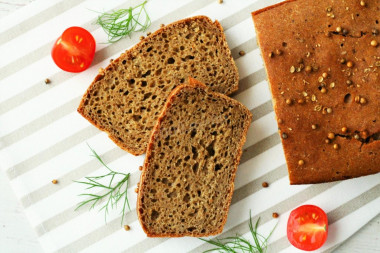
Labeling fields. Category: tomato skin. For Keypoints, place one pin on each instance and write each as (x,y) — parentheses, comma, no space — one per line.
(74,50)
(307,227)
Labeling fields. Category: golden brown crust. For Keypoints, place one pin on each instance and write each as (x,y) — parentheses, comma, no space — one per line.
(193,83)
(128,54)
(312,102)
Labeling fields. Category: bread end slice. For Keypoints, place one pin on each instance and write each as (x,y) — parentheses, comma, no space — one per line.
(188,176)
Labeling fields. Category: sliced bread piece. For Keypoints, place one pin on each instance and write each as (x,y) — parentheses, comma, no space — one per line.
(187,181)
(125,100)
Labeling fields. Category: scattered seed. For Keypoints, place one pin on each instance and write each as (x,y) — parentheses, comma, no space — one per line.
(339,29)
(332,85)
(362,3)
(363,101)
(142,37)
(324,75)
(284,136)
(54,181)
(329,110)
(356,136)
(271,55)
(292,69)
(314,126)
(241,53)
(327,141)
(288,101)
(308,69)
(323,90)
(374,43)
(329,9)
(265,184)
(301,162)
(357,99)
(317,108)
(331,136)
(348,82)
(275,215)
(320,79)
(350,64)
(344,130)
(342,61)
(336,146)
(278,52)
(47,81)
(345,31)
(127,228)
(364,134)
(280,121)
(313,98)
(300,101)
(140,168)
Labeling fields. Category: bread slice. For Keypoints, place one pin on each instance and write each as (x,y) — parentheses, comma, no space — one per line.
(324,77)
(126,98)
(188,176)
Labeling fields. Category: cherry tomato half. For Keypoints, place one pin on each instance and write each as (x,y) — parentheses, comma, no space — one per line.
(74,50)
(307,227)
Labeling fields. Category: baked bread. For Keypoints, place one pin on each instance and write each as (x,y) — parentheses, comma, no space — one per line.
(322,58)
(188,175)
(126,98)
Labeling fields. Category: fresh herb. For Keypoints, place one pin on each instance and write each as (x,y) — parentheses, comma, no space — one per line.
(120,23)
(113,193)
(239,243)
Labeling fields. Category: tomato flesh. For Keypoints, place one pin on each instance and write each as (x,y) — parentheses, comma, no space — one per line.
(307,227)
(74,50)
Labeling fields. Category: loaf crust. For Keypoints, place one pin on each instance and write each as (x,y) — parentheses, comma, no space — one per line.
(129,116)
(328,113)
(149,173)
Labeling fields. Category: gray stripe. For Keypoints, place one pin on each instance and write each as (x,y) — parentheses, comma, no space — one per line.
(251,80)
(97,235)
(334,215)
(40,122)
(37,20)
(258,148)
(266,215)
(262,110)
(87,168)
(51,152)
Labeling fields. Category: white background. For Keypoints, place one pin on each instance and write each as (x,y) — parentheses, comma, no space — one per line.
(16,235)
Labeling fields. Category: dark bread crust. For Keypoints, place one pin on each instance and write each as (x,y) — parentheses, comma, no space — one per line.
(142,186)
(128,55)
(300,27)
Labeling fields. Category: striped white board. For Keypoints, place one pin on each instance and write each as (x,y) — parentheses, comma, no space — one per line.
(43,137)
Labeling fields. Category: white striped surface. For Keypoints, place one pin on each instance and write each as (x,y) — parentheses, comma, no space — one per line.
(31,181)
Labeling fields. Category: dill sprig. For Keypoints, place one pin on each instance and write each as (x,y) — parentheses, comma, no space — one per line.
(112,193)
(238,243)
(120,23)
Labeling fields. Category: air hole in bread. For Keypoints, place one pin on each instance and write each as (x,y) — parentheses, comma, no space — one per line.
(348,98)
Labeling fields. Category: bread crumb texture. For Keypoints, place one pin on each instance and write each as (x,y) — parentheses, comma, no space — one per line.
(126,98)
(188,175)
(325,85)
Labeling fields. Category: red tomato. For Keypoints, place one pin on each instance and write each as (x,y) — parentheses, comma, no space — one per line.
(307,227)
(74,50)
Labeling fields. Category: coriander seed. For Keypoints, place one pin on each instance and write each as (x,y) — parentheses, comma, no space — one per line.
(363,101)
(362,3)
(375,32)
(364,134)
(54,181)
(242,53)
(284,136)
(140,168)
(350,64)
(329,110)
(275,215)
(374,43)
(342,61)
(313,126)
(327,141)
(357,99)
(47,81)
(292,69)
(136,190)
(127,228)
(323,90)
(307,69)
(331,136)
(300,101)
(288,101)
(265,184)
(278,52)
(336,146)
(348,82)
(324,75)
(344,31)
(280,121)
(344,130)
(339,29)
(220,1)
(271,55)
(301,162)
(357,137)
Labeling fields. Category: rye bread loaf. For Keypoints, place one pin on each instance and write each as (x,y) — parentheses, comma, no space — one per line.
(126,98)
(323,63)
(188,175)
